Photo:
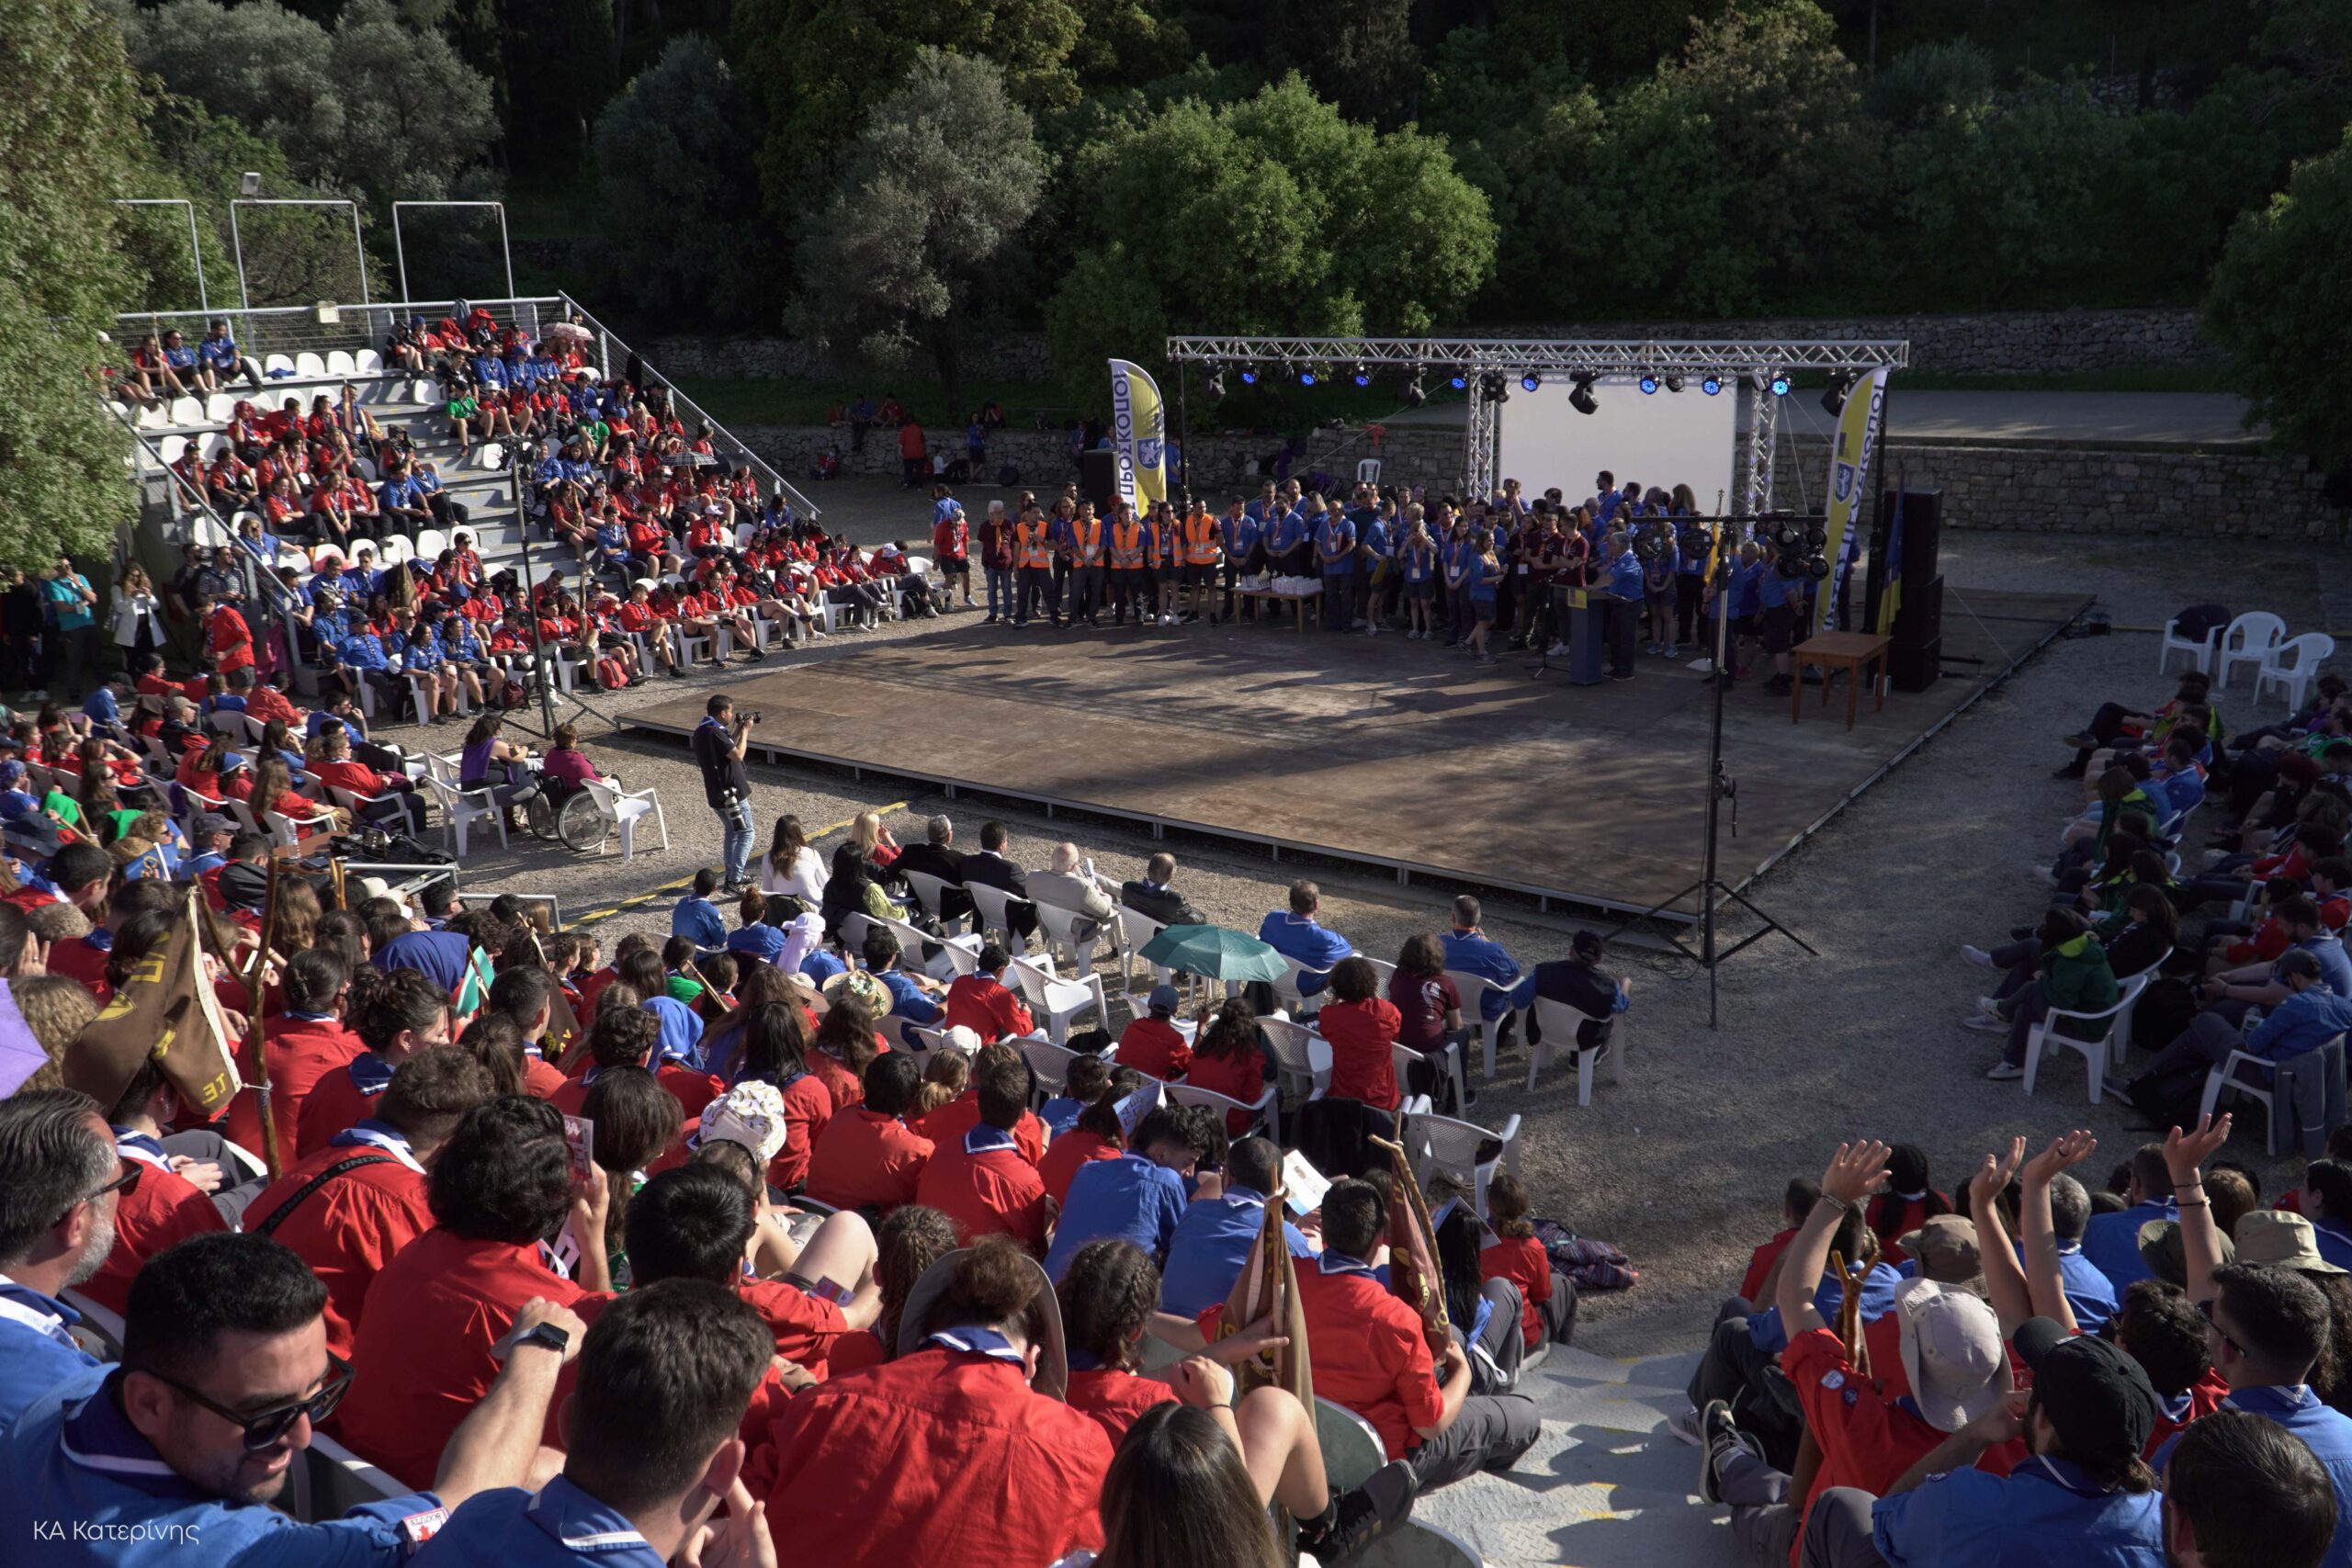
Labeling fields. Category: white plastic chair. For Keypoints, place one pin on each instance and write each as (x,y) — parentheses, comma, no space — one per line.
(1441,1143)
(1287,985)
(290,832)
(1261,1113)
(430,543)
(2247,640)
(1136,928)
(1352,1446)
(1368,471)
(1060,925)
(272,363)
(2260,1084)
(1050,1063)
(488,455)
(913,941)
(995,907)
(221,408)
(1404,1059)
(462,808)
(627,808)
(394,550)
(340,363)
(309,366)
(930,893)
(1474,989)
(2110,1042)
(1057,1002)
(963,954)
(1302,1055)
(2292,665)
(1559,1021)
(367,362)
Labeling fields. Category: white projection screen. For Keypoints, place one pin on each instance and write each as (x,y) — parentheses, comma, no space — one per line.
(1663,439)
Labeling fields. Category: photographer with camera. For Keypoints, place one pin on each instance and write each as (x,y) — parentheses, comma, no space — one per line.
(719,743)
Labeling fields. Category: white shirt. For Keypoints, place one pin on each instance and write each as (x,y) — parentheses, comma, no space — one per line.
(807,879)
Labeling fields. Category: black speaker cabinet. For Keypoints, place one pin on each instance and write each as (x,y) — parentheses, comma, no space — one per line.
(1098,478)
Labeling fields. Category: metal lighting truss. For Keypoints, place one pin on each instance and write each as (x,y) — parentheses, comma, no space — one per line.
(1749,363)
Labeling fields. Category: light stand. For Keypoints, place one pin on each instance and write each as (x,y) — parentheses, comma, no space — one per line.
(1721,788)
(542,667)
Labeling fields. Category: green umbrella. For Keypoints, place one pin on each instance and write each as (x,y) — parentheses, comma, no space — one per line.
(1212,950)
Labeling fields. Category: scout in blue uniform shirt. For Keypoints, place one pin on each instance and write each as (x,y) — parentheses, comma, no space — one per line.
(137,1467)
(1216,1235)
(1139,1197)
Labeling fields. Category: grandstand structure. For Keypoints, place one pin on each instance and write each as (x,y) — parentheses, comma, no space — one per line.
(313,350)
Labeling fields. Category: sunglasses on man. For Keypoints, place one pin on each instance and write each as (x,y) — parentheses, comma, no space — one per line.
(262,1430)
(126,1181)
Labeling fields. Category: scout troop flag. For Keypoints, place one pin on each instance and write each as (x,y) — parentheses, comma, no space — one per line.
(1269,1287)
(1413,1274)
(1849,481)
(1139,435)
(166,1010)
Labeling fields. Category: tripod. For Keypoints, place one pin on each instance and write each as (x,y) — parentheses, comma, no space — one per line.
(1721,788)
(543,669)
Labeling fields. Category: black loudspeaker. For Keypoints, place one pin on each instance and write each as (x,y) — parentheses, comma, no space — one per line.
(1098,478)
(1915,668)
(1923,526)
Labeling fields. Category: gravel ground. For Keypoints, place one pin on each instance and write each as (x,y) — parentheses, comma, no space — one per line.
(1682,1165)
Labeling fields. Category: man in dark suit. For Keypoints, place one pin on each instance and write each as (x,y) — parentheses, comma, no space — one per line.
(990,868)
(934,858)
(1578,981)
(1153,898)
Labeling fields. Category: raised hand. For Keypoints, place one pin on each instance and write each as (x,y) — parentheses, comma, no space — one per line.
(1855,1171)
(2066,1151)
(2186,1153)
(1994,1172)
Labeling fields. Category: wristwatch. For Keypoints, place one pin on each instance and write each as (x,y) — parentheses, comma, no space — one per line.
(548,1337)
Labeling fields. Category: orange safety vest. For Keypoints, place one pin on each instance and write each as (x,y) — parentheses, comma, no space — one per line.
(1034,551)
(1127,546)
(1200,539)
(1089,542)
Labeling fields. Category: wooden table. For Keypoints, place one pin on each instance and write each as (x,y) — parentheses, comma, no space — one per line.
(1267,596)
(1848,651)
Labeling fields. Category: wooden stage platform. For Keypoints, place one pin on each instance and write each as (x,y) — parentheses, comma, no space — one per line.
(1380,751)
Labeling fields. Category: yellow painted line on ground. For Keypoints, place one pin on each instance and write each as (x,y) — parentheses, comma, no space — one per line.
(637,901)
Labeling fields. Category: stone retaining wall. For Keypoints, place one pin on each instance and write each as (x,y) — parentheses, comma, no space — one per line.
(2055,490)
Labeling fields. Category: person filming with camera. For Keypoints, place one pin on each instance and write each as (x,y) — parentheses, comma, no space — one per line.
(719,743)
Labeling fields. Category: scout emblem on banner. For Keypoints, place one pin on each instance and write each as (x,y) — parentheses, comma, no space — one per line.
(1139,435)
(1851,457)
(164,1011)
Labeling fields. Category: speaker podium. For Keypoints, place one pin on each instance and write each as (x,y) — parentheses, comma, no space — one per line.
(1914,658)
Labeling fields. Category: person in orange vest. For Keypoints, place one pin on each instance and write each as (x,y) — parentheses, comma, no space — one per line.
(1129,579)
(1087,545)
(1201,552)
(1165,558)
(1033,560)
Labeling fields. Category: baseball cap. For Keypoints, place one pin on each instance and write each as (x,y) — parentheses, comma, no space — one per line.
(11,770)
(1952,1352)
(208,822)
(230,761)
(965,1038)
(1163,998)
(1945,1247)
(2095,1395)
(2280,1240)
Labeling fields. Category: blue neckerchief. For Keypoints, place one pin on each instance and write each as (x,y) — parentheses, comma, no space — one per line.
(368,1132)
(983,1137)
(371,1074)
(1333,1262)
(2062,1474)
(974,1340)
(39,1306)
(1084,1360)
(2275,1401)
(96,1436)
(139,1145)
(2175,1409)
(309,1016)
(584,1526)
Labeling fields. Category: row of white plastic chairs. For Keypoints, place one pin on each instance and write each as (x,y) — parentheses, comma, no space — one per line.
(2256,637)
(301,378)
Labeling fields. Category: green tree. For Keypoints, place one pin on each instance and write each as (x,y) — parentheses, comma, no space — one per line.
(69,120)
(1358,53)
(939,181)
(2281,306)
(676,195)
(377,108)
(817,67)
(1274,214)
(1608,42)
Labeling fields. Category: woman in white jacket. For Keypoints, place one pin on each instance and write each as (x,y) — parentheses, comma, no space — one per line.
(138,617)
(790,866)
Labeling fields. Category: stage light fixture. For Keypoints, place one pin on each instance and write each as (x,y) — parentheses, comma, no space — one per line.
(1494,387)
(1216,380)
(1712,383)
(1248,374)
(1458,381)
(1415,396)
(1674,383)
(1581,397)
(1362,377)
(1649,385)
(1306,375)
(1834,399)
(1817,567)
(1530,381)
(1779,384)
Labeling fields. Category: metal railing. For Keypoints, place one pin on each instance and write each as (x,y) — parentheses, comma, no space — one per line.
(611,344)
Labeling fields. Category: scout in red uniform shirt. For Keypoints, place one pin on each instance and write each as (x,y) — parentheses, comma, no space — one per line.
(164,1206)
(947,1454)
(501,1187)
(1151,1044)
(303,1045)
(1097,1135)
(982,1002)
(347,1225)
(867,1157)
(982,1181)
(1950,1346)
(395,1016)
(1547,1300)
(946,1127)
